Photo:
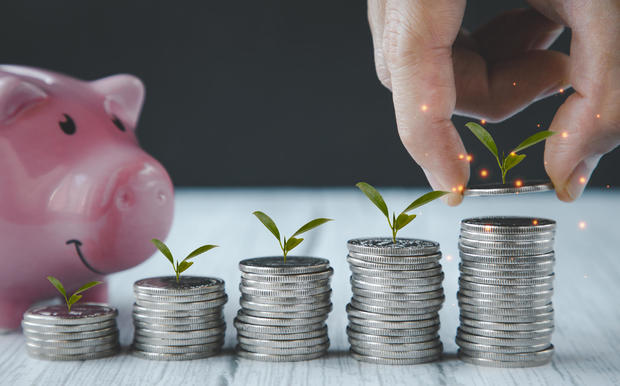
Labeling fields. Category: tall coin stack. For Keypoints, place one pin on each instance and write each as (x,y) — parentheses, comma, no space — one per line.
(284,306)
(505,291)
(88,331)
(397,294)
(178,321)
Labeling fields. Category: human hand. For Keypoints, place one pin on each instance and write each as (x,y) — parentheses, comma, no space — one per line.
(434,69)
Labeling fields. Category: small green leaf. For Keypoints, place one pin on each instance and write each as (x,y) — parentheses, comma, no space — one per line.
(56,283)
(199,251)
(87,286)
(311,225)
(425,199)
(184,265)
(72,300)
(164,250)
(534,139)
(268,222)
(512,160)
(374,196)
(403,219)
(292,243)
(484,137)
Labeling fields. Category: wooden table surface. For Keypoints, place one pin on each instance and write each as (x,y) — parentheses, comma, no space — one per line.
(586,300)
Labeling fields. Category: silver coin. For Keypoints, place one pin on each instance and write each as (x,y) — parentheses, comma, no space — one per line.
(279,358)
(393,310)
(508,224)
(507,342)
(423,304)
(514,252)
(506,318)
(505,274)
(187,286)
(389,267)
(214,348)
(429,352)
(539,355)
(75,357)
(287,315)
(216,329)
(285,351)
(301,335)
(544,246)
(385,246)
(379,273)
(285,293)
(499,349)
(507,311)
(172,357)
(500,303)
(395,325)
(392,339)
(321,298)
(81,313)
(502,364)
(180,322)
(276,265)
(398,289)
(269,285)
(365,345)
(178,328)
(479,257)
(34,348)
(178,342)
(179,299)
(67,328)
(507,296)
(499,237)
(506,334)
(394,332)
(397,260)
(352,311)
(241,326)
(49,343)
(415,276)
(511,265)
(503,189)
(257,306)
(400,296)
(243,317)
(218,302)
(69,336)
(505,289)
(299,278)
(508,327)
(177,314)
(411,283)
(394,361)
(298,343)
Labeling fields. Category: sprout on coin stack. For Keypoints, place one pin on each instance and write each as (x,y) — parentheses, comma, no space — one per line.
(284,302)
(72,332)
(505,291)
(179,317)
(397,292)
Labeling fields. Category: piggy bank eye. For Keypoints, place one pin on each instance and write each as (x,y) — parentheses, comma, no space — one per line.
(67,126)
(117,122)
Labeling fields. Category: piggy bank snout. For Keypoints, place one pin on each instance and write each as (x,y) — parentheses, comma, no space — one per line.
(147,187)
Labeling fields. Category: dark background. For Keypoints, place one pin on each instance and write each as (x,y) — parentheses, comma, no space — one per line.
(256,92)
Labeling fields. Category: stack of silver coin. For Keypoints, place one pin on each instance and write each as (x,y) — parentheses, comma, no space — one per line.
(178,321)
(505,291)
(397,294)
(88,331)
(284,306)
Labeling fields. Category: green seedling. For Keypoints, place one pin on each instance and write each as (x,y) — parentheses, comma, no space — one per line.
(183,265)
(398,222)
(512,159)
(76,296)
(287,245)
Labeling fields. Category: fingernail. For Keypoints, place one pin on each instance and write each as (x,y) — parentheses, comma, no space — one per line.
(580,176)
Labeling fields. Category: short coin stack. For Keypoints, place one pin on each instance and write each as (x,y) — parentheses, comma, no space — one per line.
(178,321)
(88,331)
(284,306)
(397,294)
(505,291)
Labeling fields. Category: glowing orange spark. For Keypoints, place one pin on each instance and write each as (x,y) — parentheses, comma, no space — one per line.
(461,156)
(487,228)
(564,134)
(534,222)
(453,189)
(518,183)
(484,173)
(561,91)
(460,188)
(449,257)
(538,125)
(424,107)
(598,115)
(582,180)
(469,157)
(582,225)
(514,84)
(483,121)
(512,153)
(607,186)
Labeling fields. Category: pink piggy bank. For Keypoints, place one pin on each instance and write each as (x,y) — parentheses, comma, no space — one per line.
(78,197)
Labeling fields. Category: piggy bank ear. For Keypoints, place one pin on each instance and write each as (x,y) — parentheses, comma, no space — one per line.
(17,95)
(124,95)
